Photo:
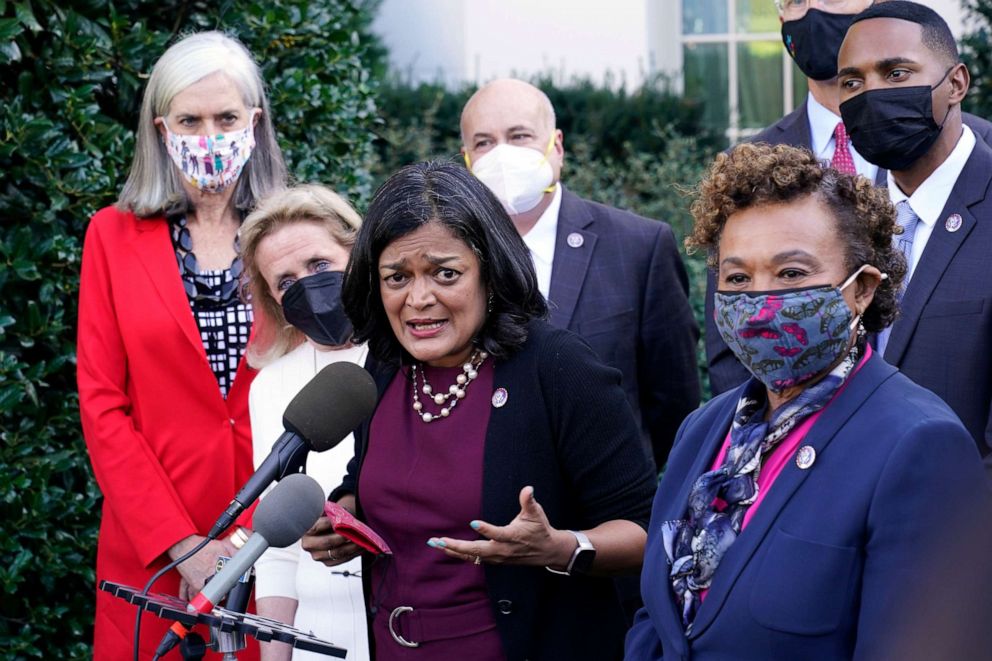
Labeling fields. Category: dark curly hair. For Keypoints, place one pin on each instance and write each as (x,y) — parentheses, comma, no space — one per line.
(752,175)
(448,194)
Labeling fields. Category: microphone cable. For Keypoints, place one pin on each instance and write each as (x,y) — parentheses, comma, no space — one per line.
(148,586)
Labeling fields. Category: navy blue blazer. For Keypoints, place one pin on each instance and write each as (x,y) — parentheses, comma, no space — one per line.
(624,289)
(942,338)
(879,550)
(724,369)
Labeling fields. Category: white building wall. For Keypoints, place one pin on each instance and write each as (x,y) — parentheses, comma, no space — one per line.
(459,41)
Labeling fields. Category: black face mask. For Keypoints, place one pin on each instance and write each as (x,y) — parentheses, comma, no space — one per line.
(814,41)
(893,127)
(313,305)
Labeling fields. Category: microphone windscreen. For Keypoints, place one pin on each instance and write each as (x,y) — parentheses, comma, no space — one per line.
(331,405)
(292,506)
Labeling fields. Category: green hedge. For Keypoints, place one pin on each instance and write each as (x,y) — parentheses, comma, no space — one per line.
(976,50)
(71,75)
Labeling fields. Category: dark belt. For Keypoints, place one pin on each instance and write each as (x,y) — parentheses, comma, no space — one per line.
(411,626)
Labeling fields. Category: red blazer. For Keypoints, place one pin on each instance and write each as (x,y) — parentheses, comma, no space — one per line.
(168,451)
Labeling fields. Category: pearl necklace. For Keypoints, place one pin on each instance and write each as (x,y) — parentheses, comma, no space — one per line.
(470,372)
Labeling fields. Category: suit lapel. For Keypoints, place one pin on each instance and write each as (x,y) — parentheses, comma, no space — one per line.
(795,128)
(670,617)
(970,189)
(833,418)
(571,261)
(155,253)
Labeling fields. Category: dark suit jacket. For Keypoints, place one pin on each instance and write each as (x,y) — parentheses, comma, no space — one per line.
(879,550)
(565,430)
(793,129)
(625,290)
(942,338)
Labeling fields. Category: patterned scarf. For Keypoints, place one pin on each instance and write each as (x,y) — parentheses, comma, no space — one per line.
(696,545)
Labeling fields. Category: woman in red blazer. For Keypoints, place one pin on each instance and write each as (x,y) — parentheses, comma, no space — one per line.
(163,388)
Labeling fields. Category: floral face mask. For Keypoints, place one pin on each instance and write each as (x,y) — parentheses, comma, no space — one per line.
(789,336)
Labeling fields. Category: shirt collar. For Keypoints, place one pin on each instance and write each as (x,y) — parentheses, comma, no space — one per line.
(931,197)
(822,123)
(541,237)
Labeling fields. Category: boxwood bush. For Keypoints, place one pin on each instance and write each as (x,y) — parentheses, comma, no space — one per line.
(71,76)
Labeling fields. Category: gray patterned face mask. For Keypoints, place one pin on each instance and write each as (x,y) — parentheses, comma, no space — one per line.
(789,336)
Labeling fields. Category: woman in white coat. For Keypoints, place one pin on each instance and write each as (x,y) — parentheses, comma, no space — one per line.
(295,248)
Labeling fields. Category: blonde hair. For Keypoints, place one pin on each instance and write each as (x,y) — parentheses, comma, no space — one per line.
(306,203)
(153,186)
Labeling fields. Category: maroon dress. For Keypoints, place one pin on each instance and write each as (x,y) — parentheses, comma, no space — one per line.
(420,481)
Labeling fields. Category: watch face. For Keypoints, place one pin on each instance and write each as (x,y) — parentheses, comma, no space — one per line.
(583,560)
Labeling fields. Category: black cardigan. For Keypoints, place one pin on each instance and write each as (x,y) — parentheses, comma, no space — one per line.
(568,431)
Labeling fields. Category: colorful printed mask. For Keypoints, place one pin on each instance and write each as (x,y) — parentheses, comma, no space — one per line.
(518,176)
(211,163)
(786,337)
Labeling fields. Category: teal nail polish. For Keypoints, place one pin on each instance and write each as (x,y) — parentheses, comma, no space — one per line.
(441,543)
(475,525)
(430,543)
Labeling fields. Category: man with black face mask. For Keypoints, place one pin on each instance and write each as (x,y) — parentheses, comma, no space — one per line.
(812,32)
(901,86)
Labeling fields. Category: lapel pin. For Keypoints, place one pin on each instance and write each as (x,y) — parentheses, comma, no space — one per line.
(575,240)
(500,396)
(953,223)
(805,457)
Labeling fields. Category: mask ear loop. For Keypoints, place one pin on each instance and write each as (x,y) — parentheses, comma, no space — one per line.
(547,152)
(851,278)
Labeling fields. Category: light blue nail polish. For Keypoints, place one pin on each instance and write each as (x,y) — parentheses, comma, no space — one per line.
(475,525)
(441,543)
(431,543)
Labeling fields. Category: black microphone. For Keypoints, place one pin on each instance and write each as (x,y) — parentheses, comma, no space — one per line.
(283,516)
(328,408)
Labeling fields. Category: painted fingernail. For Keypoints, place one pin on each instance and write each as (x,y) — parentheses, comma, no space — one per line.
(431,543)
(441,543)
(475,525)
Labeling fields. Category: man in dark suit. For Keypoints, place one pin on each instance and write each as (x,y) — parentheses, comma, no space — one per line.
(614,278)
(813,38)
(901,84)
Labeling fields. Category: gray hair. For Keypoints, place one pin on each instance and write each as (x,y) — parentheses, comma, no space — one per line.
(153,186)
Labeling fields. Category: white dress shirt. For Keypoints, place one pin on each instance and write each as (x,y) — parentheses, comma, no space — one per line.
(931,197)
(540,241)
(822,123)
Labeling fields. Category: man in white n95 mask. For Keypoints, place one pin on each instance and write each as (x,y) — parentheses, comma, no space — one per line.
(614,278)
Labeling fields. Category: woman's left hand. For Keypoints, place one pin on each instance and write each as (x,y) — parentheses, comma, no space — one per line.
(527,540)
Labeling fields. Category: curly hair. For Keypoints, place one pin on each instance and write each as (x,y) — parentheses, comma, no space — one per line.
(752,175)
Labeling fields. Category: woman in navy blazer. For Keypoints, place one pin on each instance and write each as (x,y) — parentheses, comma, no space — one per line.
(858,530)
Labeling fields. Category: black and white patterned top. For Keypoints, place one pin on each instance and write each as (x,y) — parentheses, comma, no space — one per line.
(222,317)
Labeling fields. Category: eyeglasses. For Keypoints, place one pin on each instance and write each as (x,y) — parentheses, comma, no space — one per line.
(792,9)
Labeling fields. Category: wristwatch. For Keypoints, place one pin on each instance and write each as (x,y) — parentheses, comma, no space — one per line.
(582,556)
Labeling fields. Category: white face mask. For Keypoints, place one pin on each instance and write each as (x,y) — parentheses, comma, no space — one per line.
(518,176)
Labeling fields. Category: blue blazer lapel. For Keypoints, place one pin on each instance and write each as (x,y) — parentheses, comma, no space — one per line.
(969,190)
(568,271)
(154,248)
(858,390)
(670,619)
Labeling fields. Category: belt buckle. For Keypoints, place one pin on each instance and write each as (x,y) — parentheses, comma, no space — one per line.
(399,610)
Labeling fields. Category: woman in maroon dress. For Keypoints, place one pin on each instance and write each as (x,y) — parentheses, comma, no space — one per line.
(502,465)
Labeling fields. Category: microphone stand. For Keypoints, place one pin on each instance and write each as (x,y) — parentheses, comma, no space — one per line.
(230,641)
